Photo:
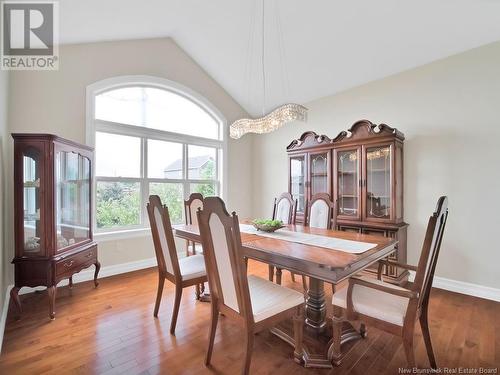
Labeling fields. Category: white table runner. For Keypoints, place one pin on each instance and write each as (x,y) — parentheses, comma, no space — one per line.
(332,243)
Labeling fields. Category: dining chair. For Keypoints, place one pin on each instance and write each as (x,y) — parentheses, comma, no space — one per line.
(182,272)
(284,209)
(390,307)
(254,303)
(191,205)
(320,213)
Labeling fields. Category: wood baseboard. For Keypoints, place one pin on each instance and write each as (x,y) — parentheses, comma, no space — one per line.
(463,287)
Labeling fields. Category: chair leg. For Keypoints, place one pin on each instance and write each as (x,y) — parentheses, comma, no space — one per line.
(298,332)
(175,312)
(197,291)
(337,322)
(187,248)
(408,346)
(362,330)
(278,276)
(427,338)
(161,282)
(211,337)
(248,352)
(304,283)
(271,273)
(293,276)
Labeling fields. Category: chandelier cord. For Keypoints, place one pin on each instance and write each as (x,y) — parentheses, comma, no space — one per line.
(250,52)
(281,115)
(263,61)
(285,81)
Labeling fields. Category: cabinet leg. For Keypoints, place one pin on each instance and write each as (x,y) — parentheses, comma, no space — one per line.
(96,273)
(14,296)
(52,301)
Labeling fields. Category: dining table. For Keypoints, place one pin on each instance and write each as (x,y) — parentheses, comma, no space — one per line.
(322,256)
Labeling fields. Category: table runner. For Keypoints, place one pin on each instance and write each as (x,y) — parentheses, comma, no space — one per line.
(332,243)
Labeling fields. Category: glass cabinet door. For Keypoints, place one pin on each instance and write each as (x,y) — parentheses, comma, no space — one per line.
(347,168)
(378,182)
(297,180)
(318,166)
(72,198)
(33,243)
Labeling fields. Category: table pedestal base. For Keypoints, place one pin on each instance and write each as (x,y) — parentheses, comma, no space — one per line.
(318,348)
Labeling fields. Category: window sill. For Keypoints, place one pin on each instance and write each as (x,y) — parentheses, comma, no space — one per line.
(121,234)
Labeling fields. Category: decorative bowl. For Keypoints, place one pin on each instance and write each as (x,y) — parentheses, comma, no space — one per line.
(267,225)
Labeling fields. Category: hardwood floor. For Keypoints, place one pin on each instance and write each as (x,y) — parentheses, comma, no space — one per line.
(111,330)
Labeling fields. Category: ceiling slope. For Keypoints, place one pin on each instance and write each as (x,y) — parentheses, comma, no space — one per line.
(329,45)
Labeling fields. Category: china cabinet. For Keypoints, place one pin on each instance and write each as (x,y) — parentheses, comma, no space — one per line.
(309,174)
(52,213)
(362,170)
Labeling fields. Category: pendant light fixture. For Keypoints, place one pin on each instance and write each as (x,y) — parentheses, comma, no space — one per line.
(276,118)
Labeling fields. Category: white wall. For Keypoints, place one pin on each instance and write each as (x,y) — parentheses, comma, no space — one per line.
(449,113)
(4,135)
(54,102)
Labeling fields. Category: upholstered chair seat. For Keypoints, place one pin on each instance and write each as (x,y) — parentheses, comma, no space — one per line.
(192,267)
(375,303)
(269,299)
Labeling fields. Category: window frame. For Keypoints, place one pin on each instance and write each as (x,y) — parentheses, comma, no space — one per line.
(94,125)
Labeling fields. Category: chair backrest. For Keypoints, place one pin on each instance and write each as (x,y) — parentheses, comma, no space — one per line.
(163,238)
(320,211)
(285,208)
(430,251)
(226,269)
(191,206)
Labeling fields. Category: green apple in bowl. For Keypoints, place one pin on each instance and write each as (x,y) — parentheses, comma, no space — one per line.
(267,225)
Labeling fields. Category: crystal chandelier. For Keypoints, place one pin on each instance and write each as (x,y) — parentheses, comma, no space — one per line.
(276,118)
(270,122)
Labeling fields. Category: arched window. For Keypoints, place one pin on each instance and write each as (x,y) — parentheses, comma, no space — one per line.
(151,136)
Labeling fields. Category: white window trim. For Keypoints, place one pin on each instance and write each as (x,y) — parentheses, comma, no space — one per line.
(150,81)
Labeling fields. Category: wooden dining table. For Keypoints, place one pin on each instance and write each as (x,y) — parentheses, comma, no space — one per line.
(321,348)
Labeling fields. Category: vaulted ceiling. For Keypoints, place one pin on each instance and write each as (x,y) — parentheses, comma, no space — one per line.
(328,45)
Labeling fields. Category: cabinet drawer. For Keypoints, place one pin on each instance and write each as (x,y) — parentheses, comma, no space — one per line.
(349,229)
(374,232)
(76,262)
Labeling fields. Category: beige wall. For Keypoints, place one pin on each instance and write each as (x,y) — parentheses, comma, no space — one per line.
(449,113)
(54,102)
(4,136)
